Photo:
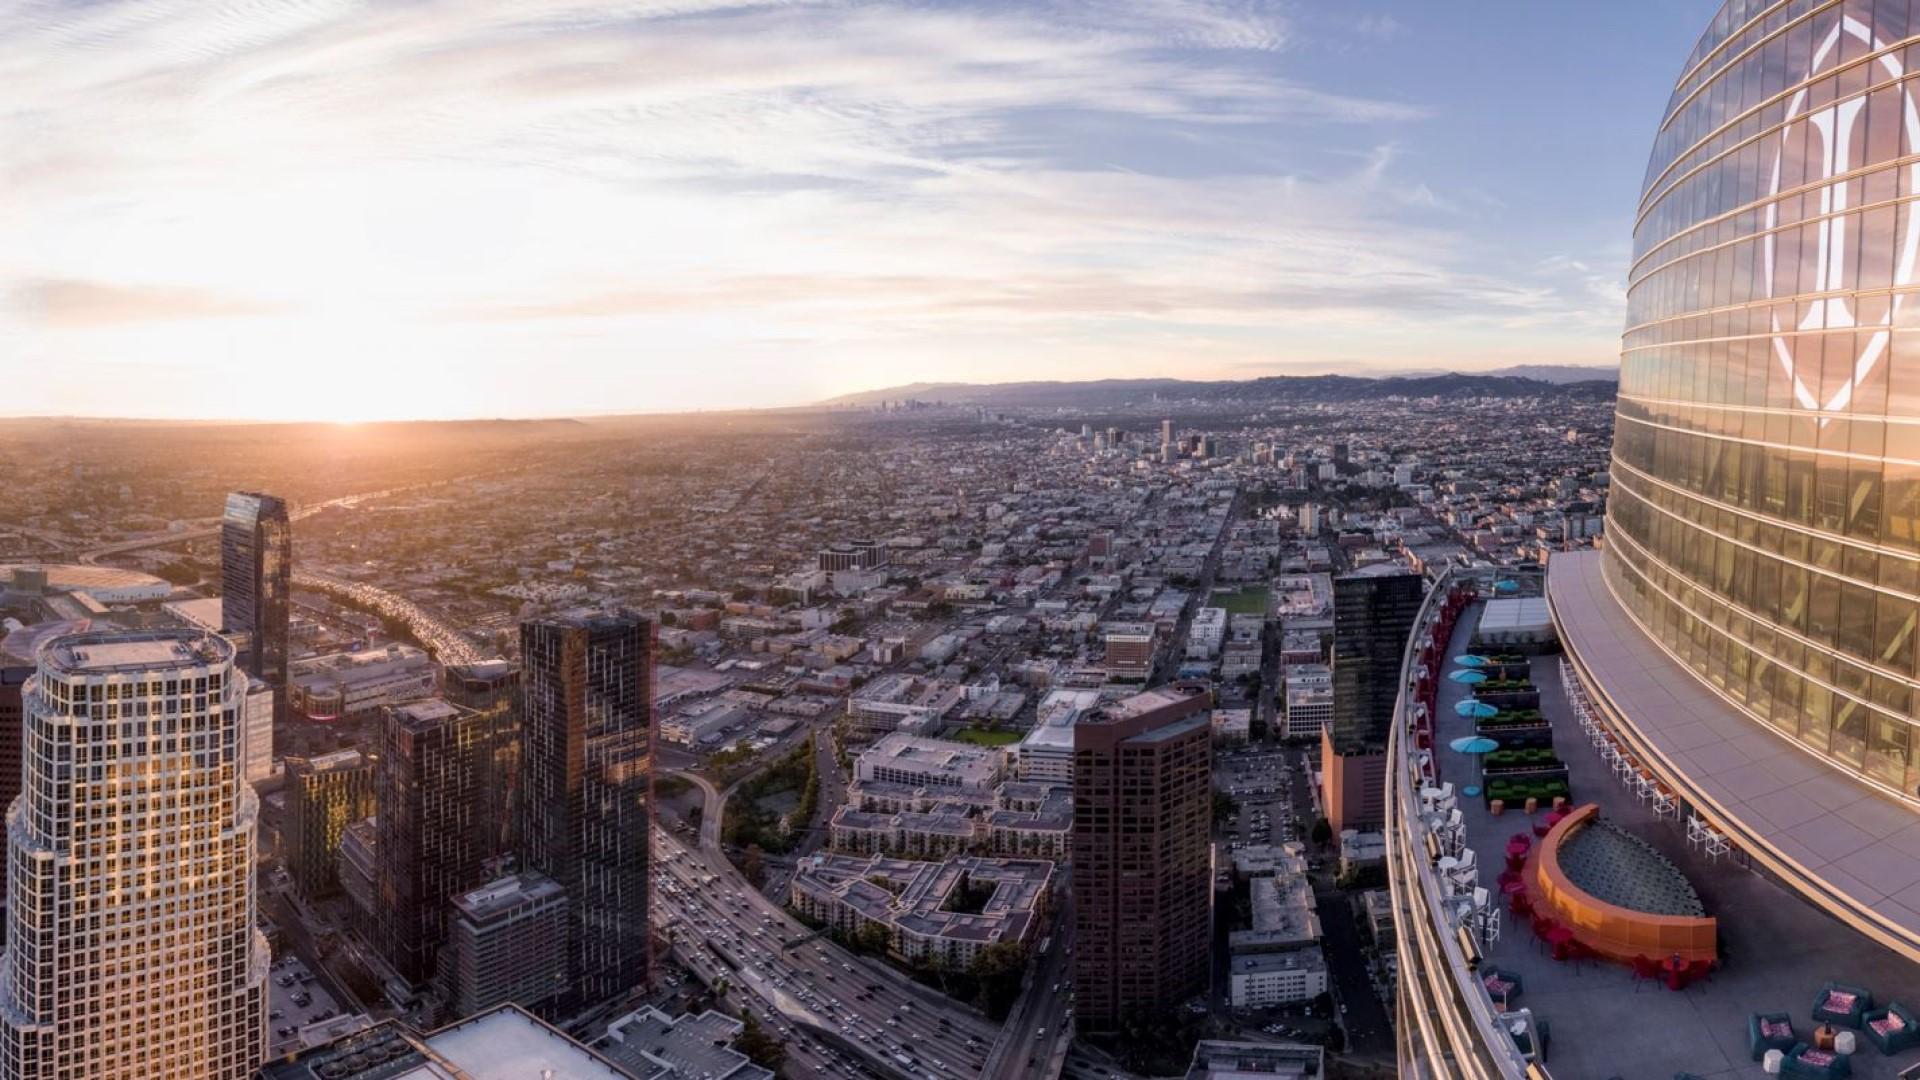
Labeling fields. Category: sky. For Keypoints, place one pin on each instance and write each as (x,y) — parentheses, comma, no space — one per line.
(390,209)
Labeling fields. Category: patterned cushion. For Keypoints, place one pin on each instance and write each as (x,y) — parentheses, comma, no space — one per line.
(1888,1024)
(1776,1029)
(1818,1057)
(1839,1001)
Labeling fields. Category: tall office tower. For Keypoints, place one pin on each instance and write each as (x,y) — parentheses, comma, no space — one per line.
(1373,613)
(1166,433)
(131,949)
(1142,806)
(324,795)
(433,839)
(586,797)
(256,571)
(508,942)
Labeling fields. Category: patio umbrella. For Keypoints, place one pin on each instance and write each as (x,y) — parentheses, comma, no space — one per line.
(1479,710)
(1506,586)
(1474,744)
(1468,676)
(1470,660)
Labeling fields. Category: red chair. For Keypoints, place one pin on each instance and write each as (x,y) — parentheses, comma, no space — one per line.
(1542,926)
(1697,971)
(1542,828)
(1644,969)
(1520,906)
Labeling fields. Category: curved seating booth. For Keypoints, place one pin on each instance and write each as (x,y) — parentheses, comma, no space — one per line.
(1620,898)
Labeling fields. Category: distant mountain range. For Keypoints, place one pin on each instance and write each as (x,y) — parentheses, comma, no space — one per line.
(1592,383)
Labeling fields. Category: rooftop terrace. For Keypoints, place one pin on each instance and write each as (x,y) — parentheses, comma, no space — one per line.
(1777,950)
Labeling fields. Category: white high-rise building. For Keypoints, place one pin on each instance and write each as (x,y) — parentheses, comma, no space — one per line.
(132,952)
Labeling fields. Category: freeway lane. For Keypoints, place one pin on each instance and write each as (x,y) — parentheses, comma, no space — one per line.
(900,1017)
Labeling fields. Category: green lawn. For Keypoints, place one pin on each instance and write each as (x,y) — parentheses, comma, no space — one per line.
(1248,601)
(983,737)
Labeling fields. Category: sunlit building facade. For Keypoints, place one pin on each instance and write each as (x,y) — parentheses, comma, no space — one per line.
(1765,517)
(132,952)
(256,585)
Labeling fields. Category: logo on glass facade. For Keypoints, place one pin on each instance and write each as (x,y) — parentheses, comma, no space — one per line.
(1820,145)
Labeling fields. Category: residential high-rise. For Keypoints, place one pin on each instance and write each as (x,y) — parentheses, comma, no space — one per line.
(493,686)
(1372,615)
(256,586)
(1142,874)
(324,795)
(508,942)
(432,839)
(586,796)
(131,950)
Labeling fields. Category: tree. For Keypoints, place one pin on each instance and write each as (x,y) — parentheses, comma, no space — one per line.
(668,618)
(1000,969)
(1223,807)
(753,864)
(1322,832)
(760,1047)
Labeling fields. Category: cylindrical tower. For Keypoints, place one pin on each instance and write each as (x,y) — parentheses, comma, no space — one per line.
(132,952)
(1764,522)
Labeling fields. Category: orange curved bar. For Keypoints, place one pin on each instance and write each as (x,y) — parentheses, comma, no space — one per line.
(1611,931)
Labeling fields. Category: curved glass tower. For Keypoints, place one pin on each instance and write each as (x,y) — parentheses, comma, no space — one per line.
(1764,525)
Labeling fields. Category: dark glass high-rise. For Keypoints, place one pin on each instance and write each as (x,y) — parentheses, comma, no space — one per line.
(256,583)
(586,791)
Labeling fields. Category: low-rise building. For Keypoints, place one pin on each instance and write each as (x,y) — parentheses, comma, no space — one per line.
(1219,1059)
(917,761)
(652,1045)
(1206,633)
(950,910)
(353,685)
(1263,980)
(1046,753)
(902,702)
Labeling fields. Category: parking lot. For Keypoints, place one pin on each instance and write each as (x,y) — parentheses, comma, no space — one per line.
(1260,781)
(295,1000)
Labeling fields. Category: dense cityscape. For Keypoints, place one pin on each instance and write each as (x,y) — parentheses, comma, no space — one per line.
(1518,723)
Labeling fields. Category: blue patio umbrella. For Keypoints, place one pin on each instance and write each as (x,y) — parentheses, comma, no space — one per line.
(1469,676)
(1470,660)
(1474,744)
(1475,709)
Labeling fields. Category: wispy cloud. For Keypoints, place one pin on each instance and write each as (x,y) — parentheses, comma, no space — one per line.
(729,186)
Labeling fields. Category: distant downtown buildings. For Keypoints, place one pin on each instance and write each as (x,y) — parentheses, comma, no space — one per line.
(132,952)
(1142,864)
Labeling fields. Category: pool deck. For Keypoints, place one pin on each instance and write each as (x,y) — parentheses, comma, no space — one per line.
(1778,948)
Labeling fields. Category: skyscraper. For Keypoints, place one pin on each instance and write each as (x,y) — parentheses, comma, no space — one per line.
(493,686)
(256,569)
(324,795)
(433,839)
(1372,615)
(586,795)
(1143,885)
(131,949)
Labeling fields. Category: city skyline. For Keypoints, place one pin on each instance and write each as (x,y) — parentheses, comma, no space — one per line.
(712,205)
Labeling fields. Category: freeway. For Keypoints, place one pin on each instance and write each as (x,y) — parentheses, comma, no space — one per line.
(1038,1032)
(870,1005)
(447,644)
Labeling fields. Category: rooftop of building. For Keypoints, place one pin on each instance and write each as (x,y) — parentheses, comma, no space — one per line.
(964,761)
(74,577)
(1147,701)
(425,714)
(339,759)
(1219,1059)
(506,894)
(114,652)
(1776,949)
(504,1043)
(655,1046)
